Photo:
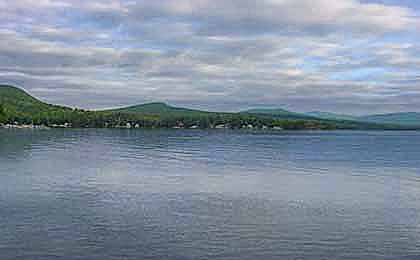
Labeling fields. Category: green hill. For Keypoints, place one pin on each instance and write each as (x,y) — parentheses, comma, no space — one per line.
(278,113)
(158,108)
(17,105)
(17,100)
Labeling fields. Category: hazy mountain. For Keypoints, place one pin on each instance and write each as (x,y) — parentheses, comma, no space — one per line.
(405,118)
(333,116)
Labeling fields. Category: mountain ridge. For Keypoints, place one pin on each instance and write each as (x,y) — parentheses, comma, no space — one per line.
(400,118)
(277,112)
(157,108)
(329,115)
(16,105)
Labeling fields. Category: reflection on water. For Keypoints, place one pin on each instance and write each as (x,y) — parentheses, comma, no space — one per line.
(120,194)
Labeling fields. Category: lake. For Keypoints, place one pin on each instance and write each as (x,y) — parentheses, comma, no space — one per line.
(195,194)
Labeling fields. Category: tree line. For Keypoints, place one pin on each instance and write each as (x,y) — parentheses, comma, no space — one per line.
(78,118)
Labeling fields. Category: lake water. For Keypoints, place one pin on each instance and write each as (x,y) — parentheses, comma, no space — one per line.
(184,195)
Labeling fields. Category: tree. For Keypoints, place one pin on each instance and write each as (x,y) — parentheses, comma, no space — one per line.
(2,114)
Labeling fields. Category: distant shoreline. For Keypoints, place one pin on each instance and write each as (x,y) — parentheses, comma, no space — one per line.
(272,130)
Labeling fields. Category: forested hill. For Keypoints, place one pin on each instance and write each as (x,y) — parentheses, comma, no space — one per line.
(159,108)
(18,107)
(18,101)
(279,113)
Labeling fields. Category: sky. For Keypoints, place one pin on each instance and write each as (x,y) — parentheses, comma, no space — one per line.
(343,56)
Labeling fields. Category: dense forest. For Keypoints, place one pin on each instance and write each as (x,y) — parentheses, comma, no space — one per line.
(19,108)
(2,114)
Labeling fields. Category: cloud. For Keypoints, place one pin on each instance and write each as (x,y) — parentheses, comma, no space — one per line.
(313,16)
(336,55)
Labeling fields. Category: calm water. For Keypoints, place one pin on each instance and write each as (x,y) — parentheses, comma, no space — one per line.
(184,195)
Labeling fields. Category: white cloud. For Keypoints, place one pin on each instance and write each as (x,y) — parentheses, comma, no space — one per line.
(229,53)
(316,16)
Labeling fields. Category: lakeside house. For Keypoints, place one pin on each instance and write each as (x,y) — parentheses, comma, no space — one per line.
(249,126)
(221,126)
(23,126)
(65,125)
(179,125)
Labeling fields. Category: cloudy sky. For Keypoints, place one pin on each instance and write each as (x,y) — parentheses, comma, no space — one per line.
(346,56)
